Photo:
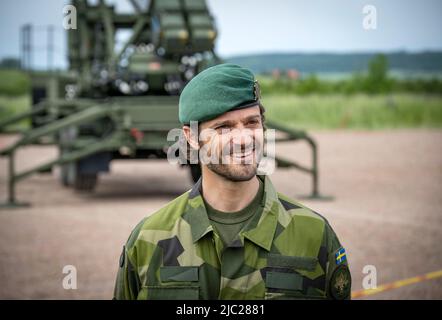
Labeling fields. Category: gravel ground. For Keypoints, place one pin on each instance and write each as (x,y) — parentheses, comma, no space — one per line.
(387,188)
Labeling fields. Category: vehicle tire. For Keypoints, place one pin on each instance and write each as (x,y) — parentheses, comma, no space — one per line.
(85,182)
(64,175)
(68,172)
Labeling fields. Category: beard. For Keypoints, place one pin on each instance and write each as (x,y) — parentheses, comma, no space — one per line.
(238,170)
(234,172)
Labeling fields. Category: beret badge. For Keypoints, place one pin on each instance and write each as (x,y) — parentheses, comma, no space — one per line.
(257,90)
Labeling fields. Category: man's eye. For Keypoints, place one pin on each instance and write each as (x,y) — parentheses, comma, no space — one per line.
(223,128)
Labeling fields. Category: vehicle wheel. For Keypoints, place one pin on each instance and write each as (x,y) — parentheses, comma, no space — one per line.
(68,174)
(64,175)
(85,182)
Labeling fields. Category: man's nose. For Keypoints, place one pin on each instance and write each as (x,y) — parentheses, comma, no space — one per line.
(242,137)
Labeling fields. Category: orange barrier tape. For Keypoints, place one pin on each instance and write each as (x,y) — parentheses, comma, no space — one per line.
(396,284)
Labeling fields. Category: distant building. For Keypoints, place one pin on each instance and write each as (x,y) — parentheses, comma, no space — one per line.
(276,74)
(293,74)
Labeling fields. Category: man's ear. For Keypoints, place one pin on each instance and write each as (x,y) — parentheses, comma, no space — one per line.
(191,137)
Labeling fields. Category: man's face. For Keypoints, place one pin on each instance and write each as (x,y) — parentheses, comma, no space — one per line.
(231,144)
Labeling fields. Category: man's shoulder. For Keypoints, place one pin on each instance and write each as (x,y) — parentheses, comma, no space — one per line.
(306,222)
(295,208)
(161,220)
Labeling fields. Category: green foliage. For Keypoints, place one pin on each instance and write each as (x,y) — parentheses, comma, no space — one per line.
(310,84)
(307,63)
(10,63)
(10,106)
(14,82)
(433,85)
(357,83)
(357,111)
(376,80)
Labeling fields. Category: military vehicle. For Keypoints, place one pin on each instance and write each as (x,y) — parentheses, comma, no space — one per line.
(120,102)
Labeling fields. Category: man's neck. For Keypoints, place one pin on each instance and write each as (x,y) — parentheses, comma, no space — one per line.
(225,195)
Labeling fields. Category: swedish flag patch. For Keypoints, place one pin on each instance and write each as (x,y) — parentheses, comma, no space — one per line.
(340,256)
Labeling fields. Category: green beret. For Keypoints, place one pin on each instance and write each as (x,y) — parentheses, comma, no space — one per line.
(217,90)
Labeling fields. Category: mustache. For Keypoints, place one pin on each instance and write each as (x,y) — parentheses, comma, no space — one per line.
(231,148)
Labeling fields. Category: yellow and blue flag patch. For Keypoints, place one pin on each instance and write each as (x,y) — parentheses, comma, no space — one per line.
(340,256)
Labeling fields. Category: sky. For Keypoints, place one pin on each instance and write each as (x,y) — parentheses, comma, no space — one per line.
(259,26)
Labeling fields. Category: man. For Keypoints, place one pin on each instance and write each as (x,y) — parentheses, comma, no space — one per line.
(232,236)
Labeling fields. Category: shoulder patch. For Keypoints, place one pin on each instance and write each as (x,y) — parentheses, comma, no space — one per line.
(340,256)
(340,283)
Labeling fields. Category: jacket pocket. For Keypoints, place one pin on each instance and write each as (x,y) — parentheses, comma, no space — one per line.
(178,274)
(286,278)
(284,281)
(172,292)
(176,283)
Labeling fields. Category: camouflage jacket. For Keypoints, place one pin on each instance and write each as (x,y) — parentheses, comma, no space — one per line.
(287,252)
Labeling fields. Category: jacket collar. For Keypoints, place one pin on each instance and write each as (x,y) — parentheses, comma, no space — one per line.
(260,230)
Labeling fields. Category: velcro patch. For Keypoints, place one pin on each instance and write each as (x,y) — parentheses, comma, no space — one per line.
(178,273)
(295,262)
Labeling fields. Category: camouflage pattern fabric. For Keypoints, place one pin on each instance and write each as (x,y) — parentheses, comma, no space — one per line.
(286,252)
